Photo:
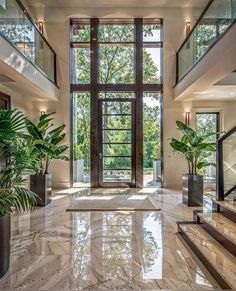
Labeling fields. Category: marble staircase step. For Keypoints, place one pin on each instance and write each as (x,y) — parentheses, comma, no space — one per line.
(228,204)
(221,224)
(218,261)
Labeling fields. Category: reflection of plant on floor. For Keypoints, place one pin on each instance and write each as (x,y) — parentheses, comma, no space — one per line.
(150,251)
(81,250)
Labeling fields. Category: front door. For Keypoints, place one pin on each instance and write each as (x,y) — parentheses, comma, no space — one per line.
(116,143)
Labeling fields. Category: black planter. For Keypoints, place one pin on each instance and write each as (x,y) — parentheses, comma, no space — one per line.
(5,236)
(193,190)
(42,186)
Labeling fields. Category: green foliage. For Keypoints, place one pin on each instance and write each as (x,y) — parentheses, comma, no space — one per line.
(152,130)
(19,34)
(17,160)
(116,67)
(206,123)
(194,146)
(46,141)
(205,34)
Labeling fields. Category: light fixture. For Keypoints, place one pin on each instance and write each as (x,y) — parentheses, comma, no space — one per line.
(187,118)
(40,26)
(24,47)
(42,112)
(187,27)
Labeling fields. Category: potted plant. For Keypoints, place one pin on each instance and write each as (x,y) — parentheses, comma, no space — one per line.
(196,149)
(19,160)
(47,142)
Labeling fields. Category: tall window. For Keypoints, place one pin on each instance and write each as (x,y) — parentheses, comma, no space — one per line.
(116,78)
(207,122)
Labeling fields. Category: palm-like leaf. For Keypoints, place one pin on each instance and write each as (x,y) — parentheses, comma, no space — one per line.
(194,146)
(20,161)
(47,141)
(12,124)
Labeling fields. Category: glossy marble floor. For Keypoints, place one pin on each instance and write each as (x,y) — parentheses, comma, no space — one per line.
(55,249)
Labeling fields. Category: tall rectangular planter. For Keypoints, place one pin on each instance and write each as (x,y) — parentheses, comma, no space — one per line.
(5,237)
(42,186)
(193,190)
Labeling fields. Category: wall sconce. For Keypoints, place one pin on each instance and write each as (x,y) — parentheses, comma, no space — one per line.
(187,118)
(24,47)
(40,26)
(187,27)
(42,112)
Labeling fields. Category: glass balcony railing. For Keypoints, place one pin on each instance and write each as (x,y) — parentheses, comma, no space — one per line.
(218,16)
(18,28)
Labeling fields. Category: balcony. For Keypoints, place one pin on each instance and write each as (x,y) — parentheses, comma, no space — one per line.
(208,53)
(25,55)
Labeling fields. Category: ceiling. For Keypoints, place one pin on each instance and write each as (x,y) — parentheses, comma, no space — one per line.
(118,3)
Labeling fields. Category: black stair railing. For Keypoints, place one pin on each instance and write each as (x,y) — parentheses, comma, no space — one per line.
(226,164)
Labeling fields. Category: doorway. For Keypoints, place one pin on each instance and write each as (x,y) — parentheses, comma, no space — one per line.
(116,82)
(116,142)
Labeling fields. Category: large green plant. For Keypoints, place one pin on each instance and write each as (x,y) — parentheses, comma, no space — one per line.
(47,141)
(195,147)
(17,160)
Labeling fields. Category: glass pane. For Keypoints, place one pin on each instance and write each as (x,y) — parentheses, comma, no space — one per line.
(229,162)
(116,107)
(116,33)
(116,176)
(81,138)
(114,95)
(116,122)
(152,65)
(117,150)
(206,123)
(116,65)
(152,138)
(116,136)
(151,32)
(81,65)
(81,32)
(219,16)
(117,163)
(21,32)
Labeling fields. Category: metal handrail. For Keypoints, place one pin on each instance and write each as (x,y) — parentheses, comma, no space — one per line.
(220,187)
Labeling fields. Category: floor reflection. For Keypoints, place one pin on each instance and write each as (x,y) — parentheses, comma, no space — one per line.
(53,249)
(117,247)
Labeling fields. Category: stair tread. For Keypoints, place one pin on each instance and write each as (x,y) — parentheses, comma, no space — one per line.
(224,263)
(220,223)
(230,205)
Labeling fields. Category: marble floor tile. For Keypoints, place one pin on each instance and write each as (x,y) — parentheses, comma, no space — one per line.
(217,256)
(55,249)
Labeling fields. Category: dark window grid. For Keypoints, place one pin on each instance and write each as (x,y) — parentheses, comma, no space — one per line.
(151,44)
(138,87)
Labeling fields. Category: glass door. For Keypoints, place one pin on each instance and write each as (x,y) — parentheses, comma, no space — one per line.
(117,143)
